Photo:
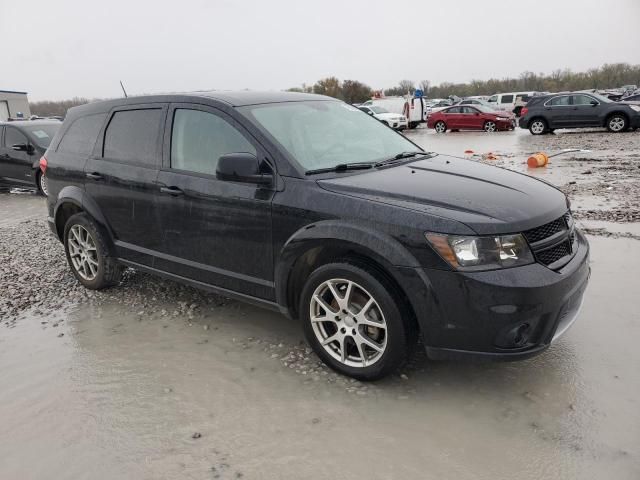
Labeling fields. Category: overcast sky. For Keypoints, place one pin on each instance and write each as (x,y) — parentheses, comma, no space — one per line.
(65,48)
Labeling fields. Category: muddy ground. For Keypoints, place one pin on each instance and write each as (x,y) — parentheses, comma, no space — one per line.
(155,380)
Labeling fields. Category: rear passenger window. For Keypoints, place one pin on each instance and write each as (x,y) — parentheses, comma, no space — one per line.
(507,99)
(132,136)
(81,136)
(199,139)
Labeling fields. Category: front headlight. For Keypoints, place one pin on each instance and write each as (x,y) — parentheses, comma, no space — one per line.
(482,253)
(635,107)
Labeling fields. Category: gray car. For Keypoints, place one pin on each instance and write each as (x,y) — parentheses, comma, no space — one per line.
(22,144)
(578,110)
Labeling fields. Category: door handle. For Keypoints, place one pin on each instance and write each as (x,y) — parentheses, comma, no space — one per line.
(94,176)
(173,191)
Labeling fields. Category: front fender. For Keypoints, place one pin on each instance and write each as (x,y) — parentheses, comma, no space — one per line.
(362,239)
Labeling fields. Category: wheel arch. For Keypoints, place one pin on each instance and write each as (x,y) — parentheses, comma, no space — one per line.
(324,242)
(617,112)
(72,200)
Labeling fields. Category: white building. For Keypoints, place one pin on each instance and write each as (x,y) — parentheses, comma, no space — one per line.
(14,105)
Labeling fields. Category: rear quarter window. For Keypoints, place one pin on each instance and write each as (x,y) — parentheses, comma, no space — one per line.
(132,136)
(80,137)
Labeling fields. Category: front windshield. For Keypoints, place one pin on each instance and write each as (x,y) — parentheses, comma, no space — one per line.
(379,110)
(601,98)
(323,134)
(42,135)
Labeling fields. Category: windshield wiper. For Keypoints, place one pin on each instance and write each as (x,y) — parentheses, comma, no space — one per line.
(401,156)
(342,167)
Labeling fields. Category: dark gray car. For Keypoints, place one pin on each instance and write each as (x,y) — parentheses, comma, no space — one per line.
(22,144)
(578,110)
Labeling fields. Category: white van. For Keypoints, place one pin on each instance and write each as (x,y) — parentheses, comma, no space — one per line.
(414,108)
(511,102)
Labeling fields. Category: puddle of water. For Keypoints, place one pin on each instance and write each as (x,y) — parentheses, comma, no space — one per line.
(120,396)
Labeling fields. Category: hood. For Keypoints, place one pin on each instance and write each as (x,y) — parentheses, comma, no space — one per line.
(389,115)
(485,198)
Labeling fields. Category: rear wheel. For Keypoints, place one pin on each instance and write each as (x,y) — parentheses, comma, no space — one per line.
(440,127)
(87,253)
(490,126)
(43,186)
(617,123)
(538,126)
(353,322)
(413,125)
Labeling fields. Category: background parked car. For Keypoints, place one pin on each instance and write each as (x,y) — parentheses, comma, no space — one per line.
(415,109)
(393,120)
(22,143)
(466,117)
(578,110)
(509,101)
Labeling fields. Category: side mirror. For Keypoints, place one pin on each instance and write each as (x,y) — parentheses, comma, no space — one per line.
(594,103)
(241,167)
(22,147)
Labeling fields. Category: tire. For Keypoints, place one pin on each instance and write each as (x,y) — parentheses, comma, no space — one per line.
(490,126)
(42,184)
(352,351)
(413,125)
(617,123)
(440,127)
(87,253)
(538,126)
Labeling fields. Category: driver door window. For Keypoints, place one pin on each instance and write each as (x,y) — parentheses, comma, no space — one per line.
(199,139)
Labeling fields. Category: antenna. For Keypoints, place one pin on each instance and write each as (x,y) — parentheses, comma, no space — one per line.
(125,92)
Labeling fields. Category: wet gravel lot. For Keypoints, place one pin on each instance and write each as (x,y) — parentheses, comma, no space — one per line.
(156,380)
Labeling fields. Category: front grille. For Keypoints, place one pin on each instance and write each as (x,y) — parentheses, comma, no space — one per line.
(554,254)
(540,233)
(547,253)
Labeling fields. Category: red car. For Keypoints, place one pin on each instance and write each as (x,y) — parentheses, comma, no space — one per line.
(465,117)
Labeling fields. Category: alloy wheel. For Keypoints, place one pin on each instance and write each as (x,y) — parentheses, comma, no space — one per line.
(616,124)
(83,252)
(537,127)
(348,323)
(489,127)
(44,186)
(440,127)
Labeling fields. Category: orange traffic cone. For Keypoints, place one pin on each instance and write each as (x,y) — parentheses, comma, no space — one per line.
(538,160)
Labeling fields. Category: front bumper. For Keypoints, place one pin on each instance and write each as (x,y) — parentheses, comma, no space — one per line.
(506,314)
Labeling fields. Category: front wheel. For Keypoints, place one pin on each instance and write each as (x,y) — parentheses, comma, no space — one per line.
(353,321)
(440,127)
(490,126)
(87,253)
(617,123)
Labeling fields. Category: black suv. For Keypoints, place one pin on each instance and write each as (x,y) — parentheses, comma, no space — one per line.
(578,110)
(306,205)
(22,144)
